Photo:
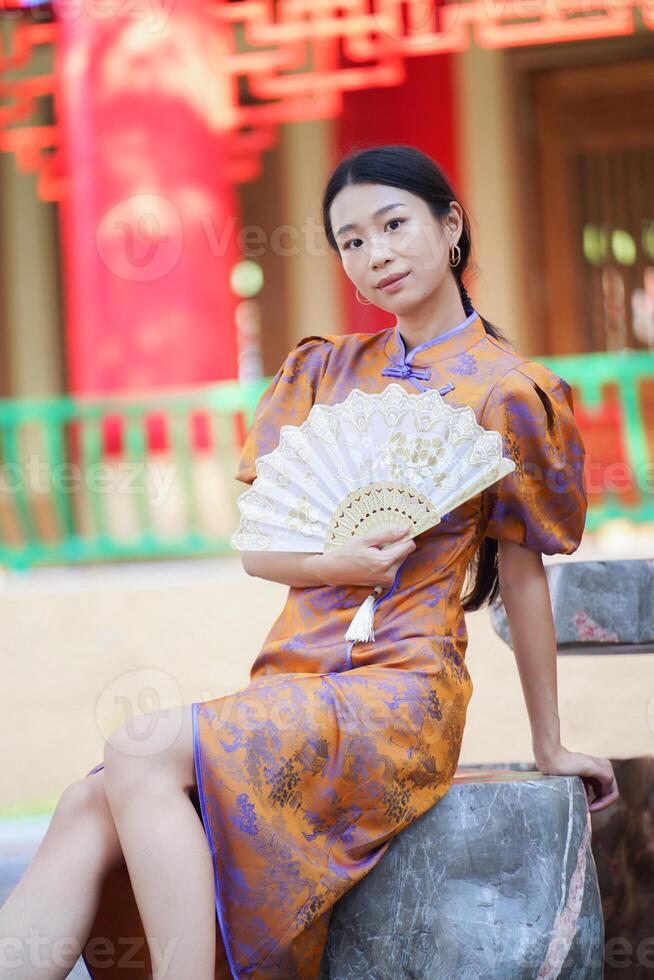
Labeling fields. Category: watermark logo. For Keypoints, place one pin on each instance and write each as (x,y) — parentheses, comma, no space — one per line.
(140,239)
(133,703)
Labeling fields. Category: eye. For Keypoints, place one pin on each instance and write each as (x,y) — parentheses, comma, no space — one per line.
(390,222)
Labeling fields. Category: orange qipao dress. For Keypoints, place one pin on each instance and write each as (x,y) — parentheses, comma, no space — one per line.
(306,775)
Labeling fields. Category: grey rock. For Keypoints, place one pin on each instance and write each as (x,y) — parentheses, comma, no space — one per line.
(598,606)
(497,880)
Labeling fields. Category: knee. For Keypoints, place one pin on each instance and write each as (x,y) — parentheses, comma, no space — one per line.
(84,797)
(82,817)
(131,758)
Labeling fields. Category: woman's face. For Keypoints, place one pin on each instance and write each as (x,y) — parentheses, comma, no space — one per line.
(395,232)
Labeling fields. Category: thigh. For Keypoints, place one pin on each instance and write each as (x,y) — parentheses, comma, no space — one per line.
(158,744)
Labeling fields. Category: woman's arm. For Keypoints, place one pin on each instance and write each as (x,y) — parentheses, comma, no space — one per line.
(366,560)
(295,568)
(526,597)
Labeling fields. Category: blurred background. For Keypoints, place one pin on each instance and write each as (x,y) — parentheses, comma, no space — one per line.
(161,250)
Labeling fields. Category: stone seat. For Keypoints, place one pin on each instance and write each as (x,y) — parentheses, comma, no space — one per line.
(598,607)
(497,881)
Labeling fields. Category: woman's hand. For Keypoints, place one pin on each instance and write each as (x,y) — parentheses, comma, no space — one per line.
(362,562)
(596,773)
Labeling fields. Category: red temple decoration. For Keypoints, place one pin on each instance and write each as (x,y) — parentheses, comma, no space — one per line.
(278,61)
(159,110)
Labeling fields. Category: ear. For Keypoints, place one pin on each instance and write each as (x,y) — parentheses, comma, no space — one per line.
(454,220)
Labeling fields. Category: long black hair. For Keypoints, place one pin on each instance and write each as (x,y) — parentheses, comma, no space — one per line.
(406,167)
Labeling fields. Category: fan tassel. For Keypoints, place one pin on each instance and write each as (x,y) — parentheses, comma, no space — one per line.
(361,629)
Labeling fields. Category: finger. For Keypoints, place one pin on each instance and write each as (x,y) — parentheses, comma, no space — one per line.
(607,798)
(395,564)
(406,545)
(602,763)
(604,802)
(601,782)
(397,553)
(394,553)
(600,769)
(379,537)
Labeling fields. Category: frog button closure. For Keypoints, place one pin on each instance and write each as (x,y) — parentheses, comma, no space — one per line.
(402,365)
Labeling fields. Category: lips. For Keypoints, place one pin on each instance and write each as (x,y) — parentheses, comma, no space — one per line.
(389,279)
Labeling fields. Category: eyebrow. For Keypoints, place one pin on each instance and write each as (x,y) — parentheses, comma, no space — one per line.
(377,214)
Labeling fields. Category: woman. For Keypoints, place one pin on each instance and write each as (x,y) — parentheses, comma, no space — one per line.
(303,778)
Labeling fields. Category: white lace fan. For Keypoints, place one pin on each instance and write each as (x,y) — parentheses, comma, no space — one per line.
(368,464)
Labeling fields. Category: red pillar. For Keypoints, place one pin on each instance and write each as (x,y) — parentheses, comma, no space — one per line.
(419,112)
(148,222)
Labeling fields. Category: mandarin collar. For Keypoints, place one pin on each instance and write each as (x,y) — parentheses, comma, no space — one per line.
(454,341)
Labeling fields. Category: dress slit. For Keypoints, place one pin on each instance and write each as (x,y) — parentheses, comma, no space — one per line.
(209,836)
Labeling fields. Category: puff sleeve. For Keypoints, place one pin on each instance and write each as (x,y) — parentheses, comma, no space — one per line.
(286,401)
(542,504)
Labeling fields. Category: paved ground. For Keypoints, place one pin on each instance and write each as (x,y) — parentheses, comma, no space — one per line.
(81,647)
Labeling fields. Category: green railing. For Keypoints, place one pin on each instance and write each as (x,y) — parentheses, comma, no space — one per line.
(61,476)
(78,476)
(631,373)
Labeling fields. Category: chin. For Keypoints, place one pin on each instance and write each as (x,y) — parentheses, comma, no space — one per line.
(401,304)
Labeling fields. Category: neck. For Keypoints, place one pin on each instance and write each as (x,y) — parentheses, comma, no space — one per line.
(436,316)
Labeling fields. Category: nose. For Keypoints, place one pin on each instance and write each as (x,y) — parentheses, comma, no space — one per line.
(380,254)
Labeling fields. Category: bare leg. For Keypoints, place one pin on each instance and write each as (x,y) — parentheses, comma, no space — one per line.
(149,771)
(45,922)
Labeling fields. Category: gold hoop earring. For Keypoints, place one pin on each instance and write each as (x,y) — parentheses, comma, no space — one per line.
(364,302)
(455,253)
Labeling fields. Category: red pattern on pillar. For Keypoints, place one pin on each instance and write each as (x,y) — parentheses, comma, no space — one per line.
(149,218)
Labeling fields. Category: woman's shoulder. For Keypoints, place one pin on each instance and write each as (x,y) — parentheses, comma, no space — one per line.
(311,340)
(308,354)
(528,389)
(334,348)
(530,374)
(341,339)
(514,372)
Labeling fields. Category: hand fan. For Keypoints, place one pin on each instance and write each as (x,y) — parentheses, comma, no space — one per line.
(365,465)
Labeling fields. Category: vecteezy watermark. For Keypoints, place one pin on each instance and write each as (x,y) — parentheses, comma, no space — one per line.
(418,23)
(151,15)
(264,710)
(620,953)
(422,23)
(141,238)
(132,702)
(421,239)
(599,478)
(36,476)
(39,952)
(620,477)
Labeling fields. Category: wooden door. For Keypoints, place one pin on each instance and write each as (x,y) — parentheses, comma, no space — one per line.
(594,221)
